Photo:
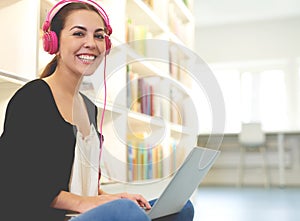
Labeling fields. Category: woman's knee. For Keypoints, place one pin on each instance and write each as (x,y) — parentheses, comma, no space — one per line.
(189,208)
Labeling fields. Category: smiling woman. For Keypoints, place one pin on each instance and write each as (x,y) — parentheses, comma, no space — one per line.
(59,153)
(50,148)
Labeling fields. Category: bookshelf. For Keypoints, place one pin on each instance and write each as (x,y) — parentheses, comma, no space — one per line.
(155,20)
(122,125)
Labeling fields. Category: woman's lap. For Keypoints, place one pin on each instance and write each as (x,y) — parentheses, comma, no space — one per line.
(117,210)
(127,210)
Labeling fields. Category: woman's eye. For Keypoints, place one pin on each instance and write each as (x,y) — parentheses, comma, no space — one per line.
(99,36)
(78,34)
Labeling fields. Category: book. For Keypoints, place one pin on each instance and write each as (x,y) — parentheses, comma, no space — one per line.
(130,158)
(132,90)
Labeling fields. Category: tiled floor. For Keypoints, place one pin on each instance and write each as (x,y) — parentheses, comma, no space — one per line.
(247,204)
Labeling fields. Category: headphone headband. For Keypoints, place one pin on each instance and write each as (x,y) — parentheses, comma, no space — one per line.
(62,3)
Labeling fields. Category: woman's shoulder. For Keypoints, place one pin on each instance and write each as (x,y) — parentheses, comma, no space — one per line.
(32,89)
(34,85)
(33,92)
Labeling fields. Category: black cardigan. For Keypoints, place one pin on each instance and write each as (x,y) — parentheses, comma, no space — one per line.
(36,153)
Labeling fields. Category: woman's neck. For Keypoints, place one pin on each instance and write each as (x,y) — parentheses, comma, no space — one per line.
(65,82)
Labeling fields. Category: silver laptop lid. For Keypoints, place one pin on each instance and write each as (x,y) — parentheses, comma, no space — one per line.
(184,182)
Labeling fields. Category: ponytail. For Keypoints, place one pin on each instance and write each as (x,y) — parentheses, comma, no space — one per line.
(50,68)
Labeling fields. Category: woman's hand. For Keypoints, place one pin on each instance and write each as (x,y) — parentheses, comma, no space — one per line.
(137,198)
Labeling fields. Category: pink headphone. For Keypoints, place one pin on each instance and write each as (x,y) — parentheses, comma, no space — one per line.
(50,40)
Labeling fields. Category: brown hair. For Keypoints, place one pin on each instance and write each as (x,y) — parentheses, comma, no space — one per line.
(58,23)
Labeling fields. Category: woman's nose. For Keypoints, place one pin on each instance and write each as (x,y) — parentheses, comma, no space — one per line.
(90,42)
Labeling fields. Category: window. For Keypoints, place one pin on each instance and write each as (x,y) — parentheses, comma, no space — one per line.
(264,98)
(229,81)
(272,100)
(246,97)
(255,96)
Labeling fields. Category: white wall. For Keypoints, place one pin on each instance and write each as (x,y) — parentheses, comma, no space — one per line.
(19,22)
(264,40)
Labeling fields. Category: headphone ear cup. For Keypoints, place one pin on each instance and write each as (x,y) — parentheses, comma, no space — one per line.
(50,42)
(107,44)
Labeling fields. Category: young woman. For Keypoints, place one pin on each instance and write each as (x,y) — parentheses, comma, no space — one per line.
(47,123)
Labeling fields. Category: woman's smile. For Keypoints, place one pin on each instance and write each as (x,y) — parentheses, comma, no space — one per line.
(86,58)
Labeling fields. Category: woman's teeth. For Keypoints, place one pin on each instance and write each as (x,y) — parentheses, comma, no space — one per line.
(87,58)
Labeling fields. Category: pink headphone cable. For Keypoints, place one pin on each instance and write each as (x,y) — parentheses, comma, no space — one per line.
(102,119)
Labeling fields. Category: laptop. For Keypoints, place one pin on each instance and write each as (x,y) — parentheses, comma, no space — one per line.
(184,182)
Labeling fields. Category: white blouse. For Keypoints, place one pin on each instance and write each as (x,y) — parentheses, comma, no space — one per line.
(85,172)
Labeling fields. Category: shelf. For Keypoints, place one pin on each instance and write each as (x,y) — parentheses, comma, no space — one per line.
(139,120)
(155,25)
(174,38)
(184,14)
(179,129)
(12,78)
(141,14)
(148,69)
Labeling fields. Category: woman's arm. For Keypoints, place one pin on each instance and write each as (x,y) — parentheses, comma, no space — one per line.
(72,202)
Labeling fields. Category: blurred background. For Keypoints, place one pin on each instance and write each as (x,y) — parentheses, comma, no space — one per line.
(253,49)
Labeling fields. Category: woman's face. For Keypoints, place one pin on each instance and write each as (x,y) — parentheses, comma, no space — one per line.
(82,43)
